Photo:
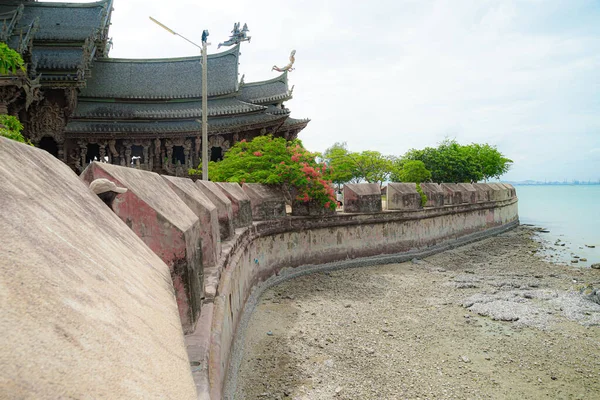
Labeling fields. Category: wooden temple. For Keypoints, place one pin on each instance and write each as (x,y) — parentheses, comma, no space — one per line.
(81,105)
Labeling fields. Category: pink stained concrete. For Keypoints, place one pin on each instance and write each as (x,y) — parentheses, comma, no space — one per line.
(206,212)
(164,222)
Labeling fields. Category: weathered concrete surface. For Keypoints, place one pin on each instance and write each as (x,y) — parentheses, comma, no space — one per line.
(434,193)
(362,198)
(267,201)
(484,192)
(403,196)
(511,189)
(452,193)
(223,204)
(240,203)
(261,251)
(163,221)
(469,194)
(309,209)
(88,310)
(206,212)
(498,192)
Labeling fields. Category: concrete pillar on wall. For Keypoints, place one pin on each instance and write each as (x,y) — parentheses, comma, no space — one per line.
(362,198)
(484,192)
(267,201)
(403,196)
(164,222)
(206,212)
(434,193)
(223,204)
(240,203)
(469,194)
(452,193)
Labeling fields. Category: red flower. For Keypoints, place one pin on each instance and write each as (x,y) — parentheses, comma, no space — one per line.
(257,154)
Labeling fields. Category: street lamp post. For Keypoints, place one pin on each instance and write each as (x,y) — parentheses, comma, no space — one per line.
(204,93)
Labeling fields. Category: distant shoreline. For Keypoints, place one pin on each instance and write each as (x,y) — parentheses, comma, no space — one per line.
(551,184)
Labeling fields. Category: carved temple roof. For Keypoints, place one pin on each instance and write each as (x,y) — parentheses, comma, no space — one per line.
(58,40)
(62,21)
(266,92)
(162,110)
(167,78)
(67,45)
(78,128)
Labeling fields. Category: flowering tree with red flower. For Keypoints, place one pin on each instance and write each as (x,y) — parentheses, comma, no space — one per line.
(271,160)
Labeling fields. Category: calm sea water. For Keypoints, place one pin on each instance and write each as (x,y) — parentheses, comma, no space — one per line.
(570,213)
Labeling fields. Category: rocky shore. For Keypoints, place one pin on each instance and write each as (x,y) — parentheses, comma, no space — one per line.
(488,320)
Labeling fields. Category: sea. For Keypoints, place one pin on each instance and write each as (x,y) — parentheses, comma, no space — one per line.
(570,214)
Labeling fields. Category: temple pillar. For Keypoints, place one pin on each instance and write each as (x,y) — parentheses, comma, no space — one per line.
(197,152)
(187,153)
(168,164)
(146,153)
(157,153)
(82,153)
(127,153)
(102,150)
(122,156)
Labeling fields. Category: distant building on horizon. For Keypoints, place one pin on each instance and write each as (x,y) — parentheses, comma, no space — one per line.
(80,105)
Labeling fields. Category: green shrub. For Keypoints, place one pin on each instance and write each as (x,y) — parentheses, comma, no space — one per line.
(10,127)
(423,195)
(10,60)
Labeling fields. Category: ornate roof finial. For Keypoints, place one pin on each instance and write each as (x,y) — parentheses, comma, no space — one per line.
(237,36)
(287,67)
(242,80)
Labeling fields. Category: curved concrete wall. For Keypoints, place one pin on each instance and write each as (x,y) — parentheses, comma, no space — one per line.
(88,310)
(262,251)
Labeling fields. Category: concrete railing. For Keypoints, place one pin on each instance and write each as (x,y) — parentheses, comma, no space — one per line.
(217,253)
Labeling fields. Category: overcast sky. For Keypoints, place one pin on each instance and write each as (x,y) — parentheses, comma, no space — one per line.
(523,75)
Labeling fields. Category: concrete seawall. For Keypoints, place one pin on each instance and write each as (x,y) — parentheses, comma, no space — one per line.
(105,289)
(263,250)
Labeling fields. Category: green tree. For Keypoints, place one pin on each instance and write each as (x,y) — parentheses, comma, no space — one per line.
(10,60)
(489,161)
(372,167)
(341,166)
(11,127)
(346,166)
(412,171)
(276,161)
(452,162)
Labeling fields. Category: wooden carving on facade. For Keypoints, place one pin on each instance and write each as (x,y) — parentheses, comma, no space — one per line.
(47,119)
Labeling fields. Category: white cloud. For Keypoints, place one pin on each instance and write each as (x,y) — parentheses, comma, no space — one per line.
(391,75)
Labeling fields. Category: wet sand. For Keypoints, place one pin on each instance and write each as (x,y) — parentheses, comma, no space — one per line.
(487,320)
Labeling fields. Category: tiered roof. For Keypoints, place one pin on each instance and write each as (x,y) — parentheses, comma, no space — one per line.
(165,78)
(271,91)
(58,39)
(67,43)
